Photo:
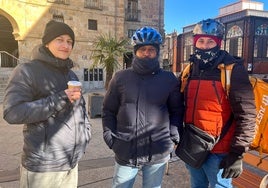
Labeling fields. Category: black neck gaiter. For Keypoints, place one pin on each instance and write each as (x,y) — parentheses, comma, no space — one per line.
(145,65)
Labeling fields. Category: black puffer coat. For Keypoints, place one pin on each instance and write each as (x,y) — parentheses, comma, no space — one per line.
(56,131)
(142,111)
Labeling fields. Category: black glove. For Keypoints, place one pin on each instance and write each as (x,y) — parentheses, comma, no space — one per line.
(232,165)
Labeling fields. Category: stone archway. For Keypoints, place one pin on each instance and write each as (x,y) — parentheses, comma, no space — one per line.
(8,44)
(7,39)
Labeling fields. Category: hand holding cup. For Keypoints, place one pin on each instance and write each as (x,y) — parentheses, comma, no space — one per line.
(74,90)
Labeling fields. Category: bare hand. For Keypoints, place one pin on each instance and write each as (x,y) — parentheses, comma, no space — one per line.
(73,93)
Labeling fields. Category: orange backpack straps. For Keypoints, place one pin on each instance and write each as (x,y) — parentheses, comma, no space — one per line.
(226,72)
(184,76)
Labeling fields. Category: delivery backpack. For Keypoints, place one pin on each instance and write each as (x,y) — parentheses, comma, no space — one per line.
(260,89)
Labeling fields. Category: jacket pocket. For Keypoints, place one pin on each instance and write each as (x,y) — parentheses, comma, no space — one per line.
(123,149)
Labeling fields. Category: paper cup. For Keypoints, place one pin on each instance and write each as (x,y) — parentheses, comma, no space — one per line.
(73,84)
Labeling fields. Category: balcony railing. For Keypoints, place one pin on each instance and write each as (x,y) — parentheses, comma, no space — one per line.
(65,2)
(94,4)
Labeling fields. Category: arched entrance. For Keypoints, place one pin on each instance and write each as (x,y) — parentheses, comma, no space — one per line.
(127,60)
(8,44)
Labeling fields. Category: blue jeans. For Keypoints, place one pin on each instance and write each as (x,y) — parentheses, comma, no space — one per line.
(209,175)
(152,175)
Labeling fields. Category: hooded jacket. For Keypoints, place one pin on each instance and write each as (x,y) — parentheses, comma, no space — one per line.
(142,111)
(208,107)
(56,132)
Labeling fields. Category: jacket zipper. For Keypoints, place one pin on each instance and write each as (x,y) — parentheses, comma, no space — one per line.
(136,132)
(216,91)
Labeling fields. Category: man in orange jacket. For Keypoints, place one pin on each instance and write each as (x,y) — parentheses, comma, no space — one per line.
(209,108)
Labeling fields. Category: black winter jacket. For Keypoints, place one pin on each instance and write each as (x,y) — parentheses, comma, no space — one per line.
(55,131)
(141,116)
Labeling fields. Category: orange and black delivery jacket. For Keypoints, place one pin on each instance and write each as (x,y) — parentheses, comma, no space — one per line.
(208,107)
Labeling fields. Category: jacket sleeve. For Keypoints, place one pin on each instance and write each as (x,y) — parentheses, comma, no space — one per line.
(244,109)
(176,111)
(88,124)
(20,106)
(109,112)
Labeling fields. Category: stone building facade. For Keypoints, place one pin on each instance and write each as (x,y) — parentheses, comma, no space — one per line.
(23,21)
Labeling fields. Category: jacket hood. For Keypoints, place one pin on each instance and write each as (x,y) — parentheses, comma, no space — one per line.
(227,59)
(222,57)
(41,53)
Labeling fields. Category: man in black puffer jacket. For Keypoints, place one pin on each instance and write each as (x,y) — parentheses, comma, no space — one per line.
(142,112)
(56,128)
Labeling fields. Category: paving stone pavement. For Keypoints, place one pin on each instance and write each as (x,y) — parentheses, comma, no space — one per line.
(95,168)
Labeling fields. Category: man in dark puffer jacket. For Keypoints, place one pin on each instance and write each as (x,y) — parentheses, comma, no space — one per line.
(56,128)
(142,111)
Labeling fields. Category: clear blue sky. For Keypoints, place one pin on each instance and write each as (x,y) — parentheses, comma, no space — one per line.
(180,13)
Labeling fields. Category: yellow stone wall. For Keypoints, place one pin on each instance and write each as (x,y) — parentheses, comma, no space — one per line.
(29,17)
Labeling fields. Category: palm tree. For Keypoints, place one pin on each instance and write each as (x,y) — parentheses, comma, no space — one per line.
(107,51)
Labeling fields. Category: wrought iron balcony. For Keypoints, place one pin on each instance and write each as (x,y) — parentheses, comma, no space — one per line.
(94,4)
(65,2)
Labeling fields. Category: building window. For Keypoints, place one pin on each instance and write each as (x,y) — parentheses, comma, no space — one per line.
(94,4)
(255,53)
(95,74)
(132,12)
(239,46)
(261,41)
(188,48)
(127,60)
(227,45)
(130,32)
(92,25)
(166,65)
(65,2)
(262,30)
(234,31)
(261,47)
(234,41)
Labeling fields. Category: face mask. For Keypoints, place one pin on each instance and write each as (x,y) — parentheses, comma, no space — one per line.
(145,65)
(206,55)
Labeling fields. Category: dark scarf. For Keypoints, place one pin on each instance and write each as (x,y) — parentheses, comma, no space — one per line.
(44,55)
(145,65)
(205,58)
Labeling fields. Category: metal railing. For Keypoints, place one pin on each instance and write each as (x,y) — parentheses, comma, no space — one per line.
(94,4)
(65,2)
(8,60)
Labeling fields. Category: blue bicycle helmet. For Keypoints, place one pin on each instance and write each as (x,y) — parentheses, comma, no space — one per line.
(146,36)
(209,27)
